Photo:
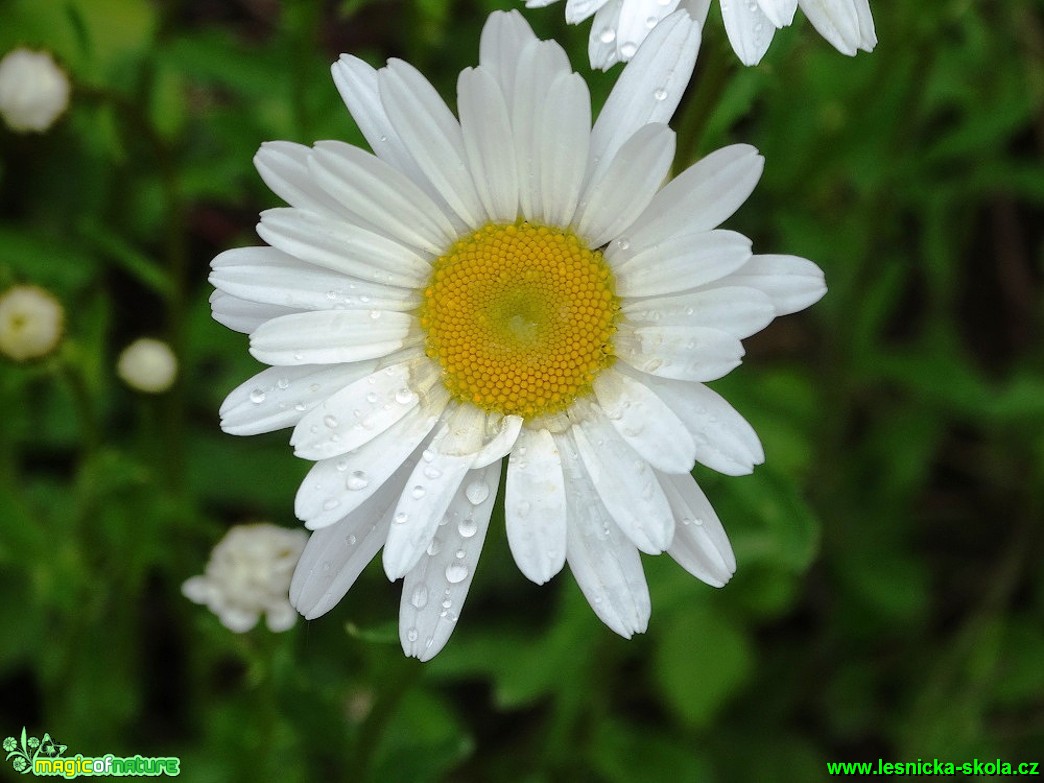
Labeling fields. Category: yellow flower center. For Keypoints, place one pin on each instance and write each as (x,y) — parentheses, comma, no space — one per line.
(520,318)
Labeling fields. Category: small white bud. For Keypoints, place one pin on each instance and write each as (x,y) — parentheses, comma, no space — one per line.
(31,321)
(34,91)
(148,365)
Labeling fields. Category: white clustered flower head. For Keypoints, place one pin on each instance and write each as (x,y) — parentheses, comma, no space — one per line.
(249,575)
(31,322)
(513,284)
(148,365)
(34,91)
(620,26)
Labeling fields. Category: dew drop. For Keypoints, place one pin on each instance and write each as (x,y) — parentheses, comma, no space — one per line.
(404,396)
(298,357)
(375,314)
(342,465)
(459,554)
(371,397)
(607,36)
(257,396)
(330,421)
(432,472)
(650,22)
(412,634)
(628,49)
(400,518)
(300,407)
(350,540)
(456,573)
(434,547)
(283,383)
(660,94)
(330,504)
(420,597)
(467,527)
(357,480)
(476,492)
(418,492)
(447,604)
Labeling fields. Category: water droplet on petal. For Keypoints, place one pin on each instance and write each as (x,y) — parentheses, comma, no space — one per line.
(330,421)
(607,36)
(456,573)
(660,94)
(350,540)
(357,480)
(371,397)
(432,472)
(434,547)
(411,634)
(283,383)
(476,492)
(400,518)
(330,504)
(375,314)
(404,396)
(447,604)
(418,492)
(342,465)
(628,49)
(467,527)
(257,396)
(420,597)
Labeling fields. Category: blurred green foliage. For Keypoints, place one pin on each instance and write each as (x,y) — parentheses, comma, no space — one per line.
(890,598)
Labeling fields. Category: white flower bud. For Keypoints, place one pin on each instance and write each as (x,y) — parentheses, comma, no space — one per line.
(31,322)
(148,365)
(249,575)
(34,91)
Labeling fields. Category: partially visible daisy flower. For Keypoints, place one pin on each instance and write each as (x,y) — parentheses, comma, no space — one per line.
(511,285)
(248,575)
(34,91)
(620,26)
(148,365)
(31,322)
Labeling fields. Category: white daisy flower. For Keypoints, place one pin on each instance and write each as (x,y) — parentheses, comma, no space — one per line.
(510,284)
(620,26)
(248,575)
(31,322)
(148,365)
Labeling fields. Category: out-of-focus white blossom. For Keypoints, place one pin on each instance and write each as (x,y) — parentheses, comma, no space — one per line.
(148,365)
(249,575)
(31,321)
(34,91)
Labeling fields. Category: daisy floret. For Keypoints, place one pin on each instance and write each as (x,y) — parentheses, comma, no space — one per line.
(513,285)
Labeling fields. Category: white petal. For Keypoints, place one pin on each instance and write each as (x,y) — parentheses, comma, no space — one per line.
(698,9)
(578,10)
(561,148)
(750,31)
(359,412)
(847,24)
(678,263)
(243,316)
(701,197)
(269,276)
(540,67)
(432,135)
(330,336)
(613,200)
(485,123)
(434,590)
(792,283)
(625,482)
(649,88)
(779,12)
(356,81)
(380,194)
(686,353)
(279,396)
(606,565)
(504,434)
(338,485)
(645,422)
(724,440)
(601,44)
(334,556)
(535,506)
(431,487)
(637,18)
(504,36)
(740,312)
(283,166)
(700,545)
(343,247)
